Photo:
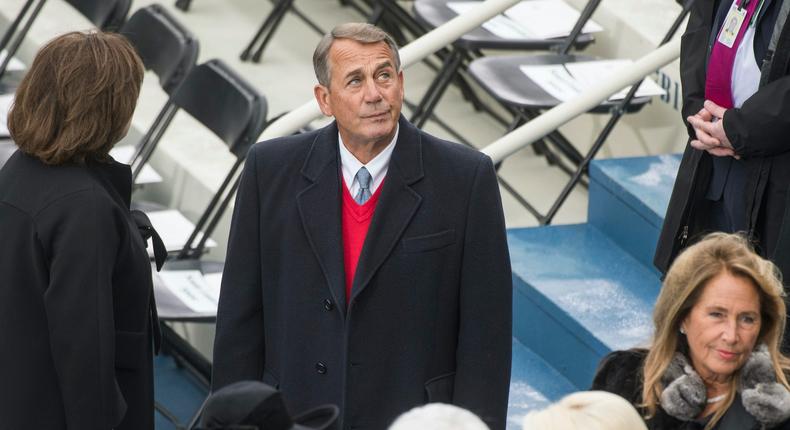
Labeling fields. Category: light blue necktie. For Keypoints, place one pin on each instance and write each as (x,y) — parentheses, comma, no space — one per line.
(363,178)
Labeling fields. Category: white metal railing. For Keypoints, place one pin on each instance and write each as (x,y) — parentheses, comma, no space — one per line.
(410,54)
(552,119)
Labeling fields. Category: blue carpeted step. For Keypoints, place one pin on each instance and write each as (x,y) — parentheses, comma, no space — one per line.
(628,200)
(576,296)
(534,384)
(177,392)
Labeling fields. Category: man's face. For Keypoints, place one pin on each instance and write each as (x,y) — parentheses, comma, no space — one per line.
(365,92)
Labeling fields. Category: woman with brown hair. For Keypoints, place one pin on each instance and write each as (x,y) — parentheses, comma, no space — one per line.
(76,322)
(714,362)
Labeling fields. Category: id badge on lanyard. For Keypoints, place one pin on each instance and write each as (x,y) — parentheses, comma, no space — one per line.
(733,23)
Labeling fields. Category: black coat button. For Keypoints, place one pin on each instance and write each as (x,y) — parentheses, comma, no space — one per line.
(320,368)
(328,305)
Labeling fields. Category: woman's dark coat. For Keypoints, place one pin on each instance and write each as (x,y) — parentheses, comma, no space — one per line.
(620,373)
(75,290)
(759,132)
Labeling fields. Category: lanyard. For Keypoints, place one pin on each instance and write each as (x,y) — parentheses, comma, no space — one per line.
(744,3)
(756,12)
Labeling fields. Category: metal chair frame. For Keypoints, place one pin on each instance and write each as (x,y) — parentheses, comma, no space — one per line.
(582,165)
(177,72)
(14,35)
(465,50)
(240,143)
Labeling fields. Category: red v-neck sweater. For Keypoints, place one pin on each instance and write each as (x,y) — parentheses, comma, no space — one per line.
(355,222)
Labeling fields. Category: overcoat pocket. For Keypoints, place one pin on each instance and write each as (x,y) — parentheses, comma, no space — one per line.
(429,242)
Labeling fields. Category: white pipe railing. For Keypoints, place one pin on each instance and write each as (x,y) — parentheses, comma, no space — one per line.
(409,55)
(552,119)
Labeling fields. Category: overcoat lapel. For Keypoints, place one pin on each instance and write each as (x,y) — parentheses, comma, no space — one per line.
(397,205)
(319,208)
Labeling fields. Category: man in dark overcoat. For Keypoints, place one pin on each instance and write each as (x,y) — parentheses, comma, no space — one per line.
(735,173)
(367,264)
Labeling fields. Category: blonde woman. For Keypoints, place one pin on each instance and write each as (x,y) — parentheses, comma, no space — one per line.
(588,410)
(715,361)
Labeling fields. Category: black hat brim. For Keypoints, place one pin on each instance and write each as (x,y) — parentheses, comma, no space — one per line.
(320,418)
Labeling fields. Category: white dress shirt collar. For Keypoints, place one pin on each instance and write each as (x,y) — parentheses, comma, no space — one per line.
(377,167)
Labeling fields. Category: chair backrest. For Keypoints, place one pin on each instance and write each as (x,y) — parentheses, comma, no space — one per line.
(166,47)
(232,109)
(225,103)
(104,14)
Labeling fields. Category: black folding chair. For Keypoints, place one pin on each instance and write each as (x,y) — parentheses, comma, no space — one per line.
(226,104)
(434,13)
(170,51)
(107,15)
(104,14)
(503,79)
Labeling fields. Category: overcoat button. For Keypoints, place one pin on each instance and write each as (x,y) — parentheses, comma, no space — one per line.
(328,305)
(320,368)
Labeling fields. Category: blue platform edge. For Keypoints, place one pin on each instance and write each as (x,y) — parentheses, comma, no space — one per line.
(534,385)
(577,296)
(177,391)
(628,200)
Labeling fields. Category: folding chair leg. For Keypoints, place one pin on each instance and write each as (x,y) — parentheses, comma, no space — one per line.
(402,18)
(617,113)
(376,15)
(267,29)
(519,198)
(437,88)
(565,146)
(17,41)
(299,14)
(354,4)
(443,125)
(555,138)
(9,33)
(256,57)
(183,4)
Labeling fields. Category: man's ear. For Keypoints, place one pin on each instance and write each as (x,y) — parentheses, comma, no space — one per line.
(402,87)
(322,97)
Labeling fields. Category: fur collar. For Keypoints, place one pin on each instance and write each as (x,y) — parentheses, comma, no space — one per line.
(684,396)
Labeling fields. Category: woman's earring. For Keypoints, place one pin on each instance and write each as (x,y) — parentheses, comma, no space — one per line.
(682,330)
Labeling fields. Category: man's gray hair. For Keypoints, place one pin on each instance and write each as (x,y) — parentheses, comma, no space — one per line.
(357,31)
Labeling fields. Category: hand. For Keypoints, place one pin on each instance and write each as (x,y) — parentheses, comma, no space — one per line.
(710,133)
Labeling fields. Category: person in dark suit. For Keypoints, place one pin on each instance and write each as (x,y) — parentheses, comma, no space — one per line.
(75,319)
(735,171)
(367,264)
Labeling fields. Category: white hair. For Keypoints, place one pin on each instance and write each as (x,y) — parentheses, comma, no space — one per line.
(438,416)
(588,410)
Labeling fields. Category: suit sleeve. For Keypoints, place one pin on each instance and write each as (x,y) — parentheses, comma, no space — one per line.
(80,238)
(239,342)
(482,379)
(760,127)
(693,57)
